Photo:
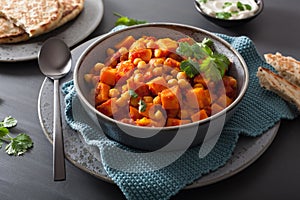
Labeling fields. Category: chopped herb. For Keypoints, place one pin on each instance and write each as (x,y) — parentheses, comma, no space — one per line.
(202,1)
(16,145)
(248,7)
(132,93)
(200,58)
(223,15)
(124,20)
(242,6)
(226,4)
(142,106)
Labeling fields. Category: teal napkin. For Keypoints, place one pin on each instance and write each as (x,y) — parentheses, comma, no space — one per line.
(161,175)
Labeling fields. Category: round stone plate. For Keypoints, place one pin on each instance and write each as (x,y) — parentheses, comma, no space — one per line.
(87,157)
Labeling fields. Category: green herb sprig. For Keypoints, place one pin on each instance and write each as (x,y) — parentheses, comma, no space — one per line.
(200,58)
(16,145)
(124,20)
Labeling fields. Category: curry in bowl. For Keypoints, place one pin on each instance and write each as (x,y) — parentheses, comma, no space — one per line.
(156,82)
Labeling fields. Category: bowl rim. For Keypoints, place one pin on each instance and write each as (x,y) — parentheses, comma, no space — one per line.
(159,24)
(260,4)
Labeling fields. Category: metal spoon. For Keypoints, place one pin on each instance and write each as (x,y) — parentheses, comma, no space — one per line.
(55,62)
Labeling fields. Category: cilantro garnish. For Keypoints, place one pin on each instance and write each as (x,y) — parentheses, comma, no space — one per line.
(142,106)
(132,93)
(16,145)
(124,20)
(200,58)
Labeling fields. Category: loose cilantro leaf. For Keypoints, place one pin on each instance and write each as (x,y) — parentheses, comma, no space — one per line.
(19,145)
(16,145)
(124,20)
(3,131)
(9,122)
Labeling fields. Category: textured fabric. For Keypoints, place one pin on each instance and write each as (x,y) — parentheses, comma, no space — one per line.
(258,111)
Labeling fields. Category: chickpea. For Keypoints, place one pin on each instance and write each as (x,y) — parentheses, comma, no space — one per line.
(123,50)
(183,83)
(97,68)
(172,82)
(110,51)
(113,93)
(124,88)
(157,100)
(158,115)
(181,75)
(121,102)
(138,78)
(141,65)
(125,95)
(157,71)
(174,72)
(168,77)
(136,61)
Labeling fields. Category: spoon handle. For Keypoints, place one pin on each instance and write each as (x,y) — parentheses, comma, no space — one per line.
(58,146)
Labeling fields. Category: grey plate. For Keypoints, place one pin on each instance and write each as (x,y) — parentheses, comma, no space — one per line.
(72,33)
(87,158)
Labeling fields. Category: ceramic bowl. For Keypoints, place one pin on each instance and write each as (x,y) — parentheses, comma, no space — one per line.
(158,138)
(231,22)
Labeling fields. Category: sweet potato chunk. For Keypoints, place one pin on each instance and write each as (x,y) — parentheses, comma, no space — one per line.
(201,95)
(108,76)
(103,94)
(108,108)
(176,122)
(144,54)
(126,42)
(157,85)
(171,98)
(199,115)
(172,63)
(167,44)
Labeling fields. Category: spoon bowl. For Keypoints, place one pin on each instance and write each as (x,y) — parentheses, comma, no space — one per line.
(55,62)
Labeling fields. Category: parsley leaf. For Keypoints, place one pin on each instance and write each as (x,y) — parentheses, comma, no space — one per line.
(16,145)
(124,20)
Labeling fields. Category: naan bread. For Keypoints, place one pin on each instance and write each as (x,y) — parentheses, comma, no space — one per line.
(9,33)
(72,8)
(277,84)
(34,16)
(287,67)
(23,19)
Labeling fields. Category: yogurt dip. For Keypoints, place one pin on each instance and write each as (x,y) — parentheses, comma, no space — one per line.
(229,9)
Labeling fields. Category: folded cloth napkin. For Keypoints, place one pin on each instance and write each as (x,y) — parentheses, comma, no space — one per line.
(137,174)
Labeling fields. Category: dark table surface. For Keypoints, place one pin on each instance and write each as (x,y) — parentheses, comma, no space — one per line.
(275,175)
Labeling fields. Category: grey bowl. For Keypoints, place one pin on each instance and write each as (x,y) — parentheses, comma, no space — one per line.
(165,138)
(233,22)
